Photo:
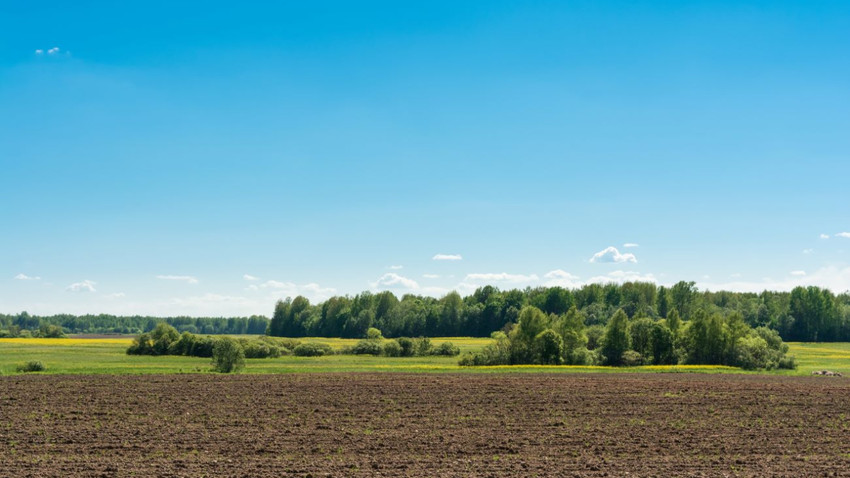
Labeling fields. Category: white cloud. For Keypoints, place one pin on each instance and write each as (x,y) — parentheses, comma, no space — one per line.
(735,275)
(798,273)
(395,268)
(431,276)
(84,286)
(611,254)
(561,278)
(39,52)
(26,277)
(630,244)
(250,277)
(391,280)
(824,236)
(447,257)
(845,235)
(187,279)
(53,50)
(117,295)
(808,251)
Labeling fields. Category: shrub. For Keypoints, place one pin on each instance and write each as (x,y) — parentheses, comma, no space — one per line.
(31,366)
(257,349)
(631,358)
(228,355)
(407,346)
(392,349)
(582,356)
(141,345)
(373,334)
(50,332)
(366,347)
(422,346)
(447,349)
(787,362)
(311,350)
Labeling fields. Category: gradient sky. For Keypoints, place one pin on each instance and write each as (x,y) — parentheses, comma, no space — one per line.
(210,157)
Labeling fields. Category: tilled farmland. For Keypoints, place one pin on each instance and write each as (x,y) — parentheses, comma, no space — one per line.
(424,425)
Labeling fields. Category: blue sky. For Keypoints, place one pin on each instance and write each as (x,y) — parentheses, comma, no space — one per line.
(209,158)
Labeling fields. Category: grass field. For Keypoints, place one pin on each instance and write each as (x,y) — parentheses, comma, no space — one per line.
(107,355)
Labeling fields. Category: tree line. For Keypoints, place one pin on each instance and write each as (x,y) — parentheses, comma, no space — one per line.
(27,325)
(808,314)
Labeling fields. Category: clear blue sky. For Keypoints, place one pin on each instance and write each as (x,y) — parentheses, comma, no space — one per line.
(152,155)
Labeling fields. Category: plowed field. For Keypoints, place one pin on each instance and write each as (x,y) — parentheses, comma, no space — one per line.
(424,425)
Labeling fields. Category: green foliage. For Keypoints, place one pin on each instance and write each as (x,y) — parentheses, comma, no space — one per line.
(31,366)
(548,346)
(616,339)
(447,349)
(594,334)
(228,355)
(310,349)
(50,331)
(631,358)
(366,347)
(392,348)
(373,334)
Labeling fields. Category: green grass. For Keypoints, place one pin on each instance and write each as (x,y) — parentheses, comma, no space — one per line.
(84,356)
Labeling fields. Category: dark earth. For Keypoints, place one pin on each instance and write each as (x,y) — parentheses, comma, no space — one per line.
(424,425)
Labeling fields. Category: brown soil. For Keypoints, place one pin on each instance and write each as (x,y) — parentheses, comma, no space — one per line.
(424,425)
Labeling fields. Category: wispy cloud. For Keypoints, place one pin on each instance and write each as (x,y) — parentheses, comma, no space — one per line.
(824,236)
(611,254)
(808,251)
(834,278)
(395,268)
(279,289)
(561,278)
(187,279)
(250,277)
(84,286)
(630,244)
(447,257)
(116,295)
(501,277)
(391,280)
(798,273)
(26,277)
(53,51)
(845,235)
(622,276)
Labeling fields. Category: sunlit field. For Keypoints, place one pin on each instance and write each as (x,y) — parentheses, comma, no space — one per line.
(107,356)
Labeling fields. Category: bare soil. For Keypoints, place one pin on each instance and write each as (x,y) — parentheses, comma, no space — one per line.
(424,425)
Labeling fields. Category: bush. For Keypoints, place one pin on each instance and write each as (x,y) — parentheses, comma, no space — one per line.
(366,347)
(31,366)
(447,349)
(374,334)
(257,349)
(228,355)
(141,345)
(787,362)
(392,349)
(631,358)
(407,346)
(582,356)
(311,350)
(50,332)
(422,346)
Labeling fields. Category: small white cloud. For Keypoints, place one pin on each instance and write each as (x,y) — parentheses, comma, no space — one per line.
(39,52)
(447,257)
(501,277)
(250,277)
(117,295)
(824,236)
(808,251)
(391,280)
(395,268)
(431,276)
(84,286)
(53,51)
(845,235)
(26,277)
(735,275)
(630,244)
(706,277)
(187,279)
(798,273)
(611,254)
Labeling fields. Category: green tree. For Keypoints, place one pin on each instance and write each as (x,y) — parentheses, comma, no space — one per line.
(616,338)
(548,345)
(228,355)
